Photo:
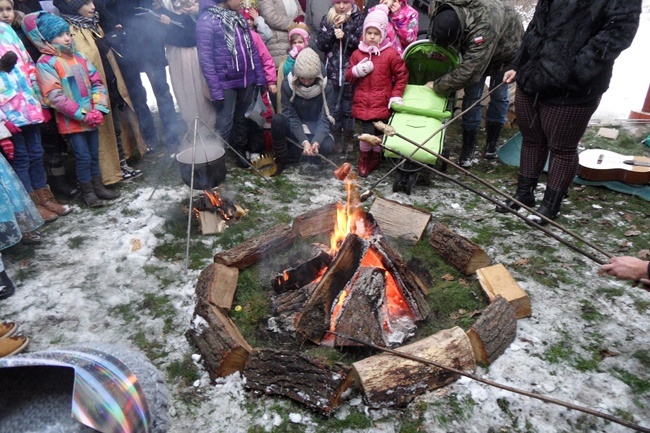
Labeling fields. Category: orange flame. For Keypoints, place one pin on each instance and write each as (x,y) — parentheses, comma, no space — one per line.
(349,218)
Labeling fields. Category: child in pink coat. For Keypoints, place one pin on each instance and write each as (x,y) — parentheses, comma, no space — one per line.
(403,24)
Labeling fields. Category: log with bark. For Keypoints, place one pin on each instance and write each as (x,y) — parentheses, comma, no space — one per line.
(493,332)
(388,380)
(253,250)
(217,285)
(400,221)
(497,281)
(309,381)
(457,250)
(303,274)
(316,222)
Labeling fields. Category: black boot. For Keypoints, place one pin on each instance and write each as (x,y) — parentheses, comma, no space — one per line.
(60,186)
(101,191)
(525,193)
(469,147)
(89,196)
(550,207)
(7,288)
(493,130)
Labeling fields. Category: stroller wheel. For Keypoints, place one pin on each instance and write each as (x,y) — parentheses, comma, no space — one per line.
(410,181)
(443,164)
(397,181)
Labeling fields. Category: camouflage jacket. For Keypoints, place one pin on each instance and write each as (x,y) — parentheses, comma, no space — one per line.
(491,34)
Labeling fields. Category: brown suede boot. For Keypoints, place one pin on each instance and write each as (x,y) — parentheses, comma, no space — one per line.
(12,345)
(49,202)
(47,215)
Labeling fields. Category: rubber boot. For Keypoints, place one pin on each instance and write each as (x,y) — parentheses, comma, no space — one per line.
(373,161)
(469,147)
(525,193)
(47,215)
(101,191)
(89,196)
(363,166)
(59,185)
(550,207)
(7,287)
(49,202)
(493,131)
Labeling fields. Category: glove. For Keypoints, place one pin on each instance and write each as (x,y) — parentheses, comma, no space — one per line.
(395,100)
(8,61)
(7,148)
(94,118)
(295,51)
(12,128)
(363,68)
(299,19)
(47,115)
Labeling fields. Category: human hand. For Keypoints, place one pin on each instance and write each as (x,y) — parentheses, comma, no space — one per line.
(338,33)
(273,89)
(395,100)
(509,76)
(164,19)
(12,128)
(293,52)
(253,13)
(7,147)
(626,268)
(94,118)
(363,68)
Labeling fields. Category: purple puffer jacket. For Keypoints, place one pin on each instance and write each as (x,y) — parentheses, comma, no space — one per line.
(221,69)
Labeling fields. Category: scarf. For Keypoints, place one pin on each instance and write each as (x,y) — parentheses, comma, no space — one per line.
(310,92)
(374,49)
(229,20)
(83,22)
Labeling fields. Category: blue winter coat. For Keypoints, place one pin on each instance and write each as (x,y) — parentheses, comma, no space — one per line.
(222,70)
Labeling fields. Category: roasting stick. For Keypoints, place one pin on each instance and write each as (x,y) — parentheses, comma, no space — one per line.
(543,398)
(495,201)
(340,172)
(368,192)
(389,130)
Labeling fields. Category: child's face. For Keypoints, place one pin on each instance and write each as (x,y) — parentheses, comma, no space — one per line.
(7,13)
(87,10)
(251,23)
(63,39)
(306,81)
(297,40)
(372,36)
(342,7)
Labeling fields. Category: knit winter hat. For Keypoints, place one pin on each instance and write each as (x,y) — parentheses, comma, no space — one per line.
(299,29)
(445,28)
(307,64)
(342,1)
(69,7)
(51,26)
(246,13)
(378,19)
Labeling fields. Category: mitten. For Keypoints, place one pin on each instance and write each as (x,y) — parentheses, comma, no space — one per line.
(395,100)
(8,61)
(47,115)
(7,148)
(295,51)
(12,128)
(363,68)
(94,118)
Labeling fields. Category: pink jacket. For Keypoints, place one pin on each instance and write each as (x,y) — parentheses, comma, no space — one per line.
(402,27)
(267,61)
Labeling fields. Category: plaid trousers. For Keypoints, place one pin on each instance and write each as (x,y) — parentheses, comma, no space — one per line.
(551,129)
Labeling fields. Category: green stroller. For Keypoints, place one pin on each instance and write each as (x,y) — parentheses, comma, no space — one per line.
(423,113)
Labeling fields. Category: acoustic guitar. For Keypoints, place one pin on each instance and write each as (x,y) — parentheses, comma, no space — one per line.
(604,165)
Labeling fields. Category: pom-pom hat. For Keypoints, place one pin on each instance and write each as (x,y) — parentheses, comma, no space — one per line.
(307,64)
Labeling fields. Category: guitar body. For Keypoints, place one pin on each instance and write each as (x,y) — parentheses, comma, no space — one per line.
(603,165)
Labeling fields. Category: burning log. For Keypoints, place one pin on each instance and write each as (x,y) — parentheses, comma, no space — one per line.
(292,301)
(497,281)
(303,379)
(315,222)
(360,316)
(458,251)
(211,201)
(223,348)
(314,320)
(493,332)
(217,285)
(390,381)
(294,278)
(250,252)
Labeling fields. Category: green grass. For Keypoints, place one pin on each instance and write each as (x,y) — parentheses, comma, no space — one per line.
(183,370)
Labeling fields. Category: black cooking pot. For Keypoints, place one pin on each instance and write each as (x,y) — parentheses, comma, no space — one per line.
(209,166)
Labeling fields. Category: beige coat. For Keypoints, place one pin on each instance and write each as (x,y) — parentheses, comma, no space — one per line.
(109,161)
(275,15)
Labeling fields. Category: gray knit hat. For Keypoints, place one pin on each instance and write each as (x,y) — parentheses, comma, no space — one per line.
(307,64)
(69,7)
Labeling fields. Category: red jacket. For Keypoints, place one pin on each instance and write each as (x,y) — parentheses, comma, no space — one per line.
(372,92)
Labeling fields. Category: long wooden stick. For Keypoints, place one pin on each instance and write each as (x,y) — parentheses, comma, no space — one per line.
(389,130)
(543,398)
